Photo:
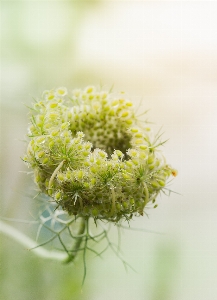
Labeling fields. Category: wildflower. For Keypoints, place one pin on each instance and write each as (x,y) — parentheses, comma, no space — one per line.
(61,91)
(92,156)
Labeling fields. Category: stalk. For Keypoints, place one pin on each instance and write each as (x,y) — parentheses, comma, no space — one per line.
(78,241)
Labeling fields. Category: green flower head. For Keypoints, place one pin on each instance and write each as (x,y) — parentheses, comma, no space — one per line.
(92,155)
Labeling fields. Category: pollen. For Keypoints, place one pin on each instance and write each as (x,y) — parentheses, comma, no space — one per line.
(174,172)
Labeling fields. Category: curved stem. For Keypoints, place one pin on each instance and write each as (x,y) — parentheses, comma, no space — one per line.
(77,244)
(54,174)
(29,243)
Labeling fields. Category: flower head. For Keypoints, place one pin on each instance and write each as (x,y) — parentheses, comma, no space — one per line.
(90,153)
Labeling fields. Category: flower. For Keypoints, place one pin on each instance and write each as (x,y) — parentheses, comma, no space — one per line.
(90,153)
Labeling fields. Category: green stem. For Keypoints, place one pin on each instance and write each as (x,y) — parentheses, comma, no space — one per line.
(113,201)
(146,197)
(54,174)
(146,194)
(78,242)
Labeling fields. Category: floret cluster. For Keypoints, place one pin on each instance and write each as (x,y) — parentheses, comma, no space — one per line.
(92,155)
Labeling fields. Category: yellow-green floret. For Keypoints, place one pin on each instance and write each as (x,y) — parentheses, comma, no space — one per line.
(90,153)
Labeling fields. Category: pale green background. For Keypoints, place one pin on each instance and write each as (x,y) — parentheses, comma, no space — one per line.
(164,52)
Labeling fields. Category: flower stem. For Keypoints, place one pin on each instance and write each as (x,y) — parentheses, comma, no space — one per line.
(77,244)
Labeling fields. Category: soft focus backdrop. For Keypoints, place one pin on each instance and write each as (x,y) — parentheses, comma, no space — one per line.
(162,52)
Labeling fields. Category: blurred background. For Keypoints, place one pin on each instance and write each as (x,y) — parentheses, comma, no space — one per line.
(163,52)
